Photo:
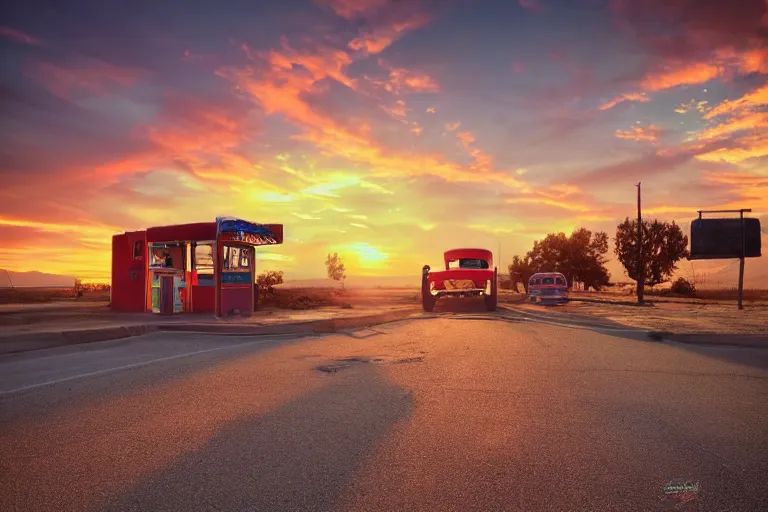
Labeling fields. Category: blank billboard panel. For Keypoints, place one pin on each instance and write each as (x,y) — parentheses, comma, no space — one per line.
(713,239)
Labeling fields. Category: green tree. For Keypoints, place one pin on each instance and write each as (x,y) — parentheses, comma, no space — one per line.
(78,289)
(520,270)
(580,257)
(267,280)
(336,270)
(664,244)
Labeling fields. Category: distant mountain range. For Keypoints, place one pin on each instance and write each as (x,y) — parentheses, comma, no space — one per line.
(725,273)
(357,282)
(34,279)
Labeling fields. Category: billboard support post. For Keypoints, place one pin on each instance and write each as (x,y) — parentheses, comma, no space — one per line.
(741,262)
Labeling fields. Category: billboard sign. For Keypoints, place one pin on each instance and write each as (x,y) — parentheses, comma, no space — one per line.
(713,239)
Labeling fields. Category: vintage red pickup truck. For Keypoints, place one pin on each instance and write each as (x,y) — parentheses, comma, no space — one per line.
(468,273)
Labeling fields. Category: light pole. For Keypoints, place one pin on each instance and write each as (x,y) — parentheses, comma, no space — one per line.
(640,263)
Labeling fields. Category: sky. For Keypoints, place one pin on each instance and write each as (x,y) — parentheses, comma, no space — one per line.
(384,130)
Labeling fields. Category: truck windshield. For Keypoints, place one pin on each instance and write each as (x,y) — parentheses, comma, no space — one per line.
(472,263)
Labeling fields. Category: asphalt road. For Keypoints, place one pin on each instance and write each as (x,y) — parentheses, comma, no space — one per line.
(449,413)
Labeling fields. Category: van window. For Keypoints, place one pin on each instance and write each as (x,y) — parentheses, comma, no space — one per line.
(549,280)
(559,280)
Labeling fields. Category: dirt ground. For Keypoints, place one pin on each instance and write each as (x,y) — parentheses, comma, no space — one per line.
(310,298)
(673,314)
(44,295)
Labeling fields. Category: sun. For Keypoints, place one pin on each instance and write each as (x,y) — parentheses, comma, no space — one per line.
(369,256)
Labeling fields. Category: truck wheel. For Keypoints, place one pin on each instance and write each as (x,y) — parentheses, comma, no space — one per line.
(492,300)
(427,299)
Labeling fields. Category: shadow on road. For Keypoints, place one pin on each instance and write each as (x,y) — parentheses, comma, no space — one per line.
(300,457)
(752,357)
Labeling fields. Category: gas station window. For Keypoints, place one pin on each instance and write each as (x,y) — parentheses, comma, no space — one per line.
(204,259)
(138,250)
(237,259)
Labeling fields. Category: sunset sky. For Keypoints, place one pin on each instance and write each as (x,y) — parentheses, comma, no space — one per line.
(384,130)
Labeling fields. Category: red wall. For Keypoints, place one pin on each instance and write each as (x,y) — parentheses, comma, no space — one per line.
(203,299)
(128,274)
(240,297)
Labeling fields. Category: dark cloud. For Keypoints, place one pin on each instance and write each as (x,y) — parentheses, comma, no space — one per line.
(649,164)
(692,29)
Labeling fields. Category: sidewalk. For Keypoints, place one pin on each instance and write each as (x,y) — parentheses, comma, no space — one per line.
(21,332)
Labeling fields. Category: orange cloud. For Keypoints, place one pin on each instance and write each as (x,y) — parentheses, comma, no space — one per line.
(743,149)
(94,76)
(398,110)
(483,162)
(723,61)
(748,187)
(19,36)
(754,60)
(281,89)
(354,9)
(641,134)
(748,121)
(755,98)
(699,106)
(682,74)
(641,97)
(465,138)
(406,80)
(452,126)
(376,40)
(386,21)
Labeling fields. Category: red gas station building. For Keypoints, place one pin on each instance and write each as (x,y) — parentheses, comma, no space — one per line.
(206,267)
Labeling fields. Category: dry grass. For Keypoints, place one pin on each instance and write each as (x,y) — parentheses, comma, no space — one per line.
(731,294)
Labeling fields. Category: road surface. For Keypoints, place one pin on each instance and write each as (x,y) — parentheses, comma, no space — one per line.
(448,413)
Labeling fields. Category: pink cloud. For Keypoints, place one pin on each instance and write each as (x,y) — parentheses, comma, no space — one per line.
(641,97)
(19,36)
(376,39)
(650,134)
(691,42)
(531,5)
(408,80)
(354,9)
(94,76)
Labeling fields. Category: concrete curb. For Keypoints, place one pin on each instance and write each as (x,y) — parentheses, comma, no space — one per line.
(306,327)
(41,340)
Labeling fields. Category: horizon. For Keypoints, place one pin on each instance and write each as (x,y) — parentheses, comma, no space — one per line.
(386,131)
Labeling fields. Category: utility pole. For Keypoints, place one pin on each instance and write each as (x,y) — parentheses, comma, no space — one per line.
(640,263)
